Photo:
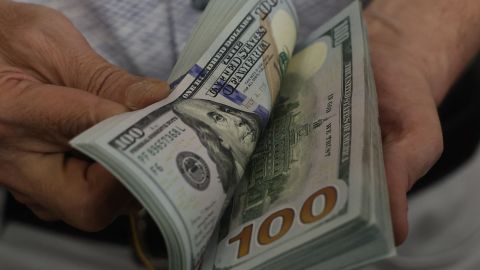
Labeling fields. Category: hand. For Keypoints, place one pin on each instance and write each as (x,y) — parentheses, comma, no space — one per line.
(417,53)
(411,131)
(52,87)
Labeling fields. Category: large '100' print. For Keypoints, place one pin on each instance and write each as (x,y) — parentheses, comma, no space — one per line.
(318,207)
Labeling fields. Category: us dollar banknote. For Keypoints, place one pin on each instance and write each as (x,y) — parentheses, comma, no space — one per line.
(235,182)
(305,177)
(183,156)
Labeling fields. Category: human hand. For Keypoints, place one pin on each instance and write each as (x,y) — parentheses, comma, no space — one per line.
(417,53)
(411,131)
(52,87)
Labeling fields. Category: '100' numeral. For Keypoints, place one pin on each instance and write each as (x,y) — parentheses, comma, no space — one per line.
(287,216)
(265,7)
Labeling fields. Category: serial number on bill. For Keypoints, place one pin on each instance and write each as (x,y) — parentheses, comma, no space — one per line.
(160,144)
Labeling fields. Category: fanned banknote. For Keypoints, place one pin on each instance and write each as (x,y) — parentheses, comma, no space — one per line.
(236,182)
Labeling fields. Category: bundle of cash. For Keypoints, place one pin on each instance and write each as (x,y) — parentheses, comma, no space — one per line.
(266,155)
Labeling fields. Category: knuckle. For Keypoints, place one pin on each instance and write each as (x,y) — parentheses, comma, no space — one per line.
(13,84)
(102,78)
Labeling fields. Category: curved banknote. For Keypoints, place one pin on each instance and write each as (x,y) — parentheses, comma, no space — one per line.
(234,182)
(183,156)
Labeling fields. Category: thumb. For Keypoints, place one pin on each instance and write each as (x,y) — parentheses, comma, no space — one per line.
(97,76)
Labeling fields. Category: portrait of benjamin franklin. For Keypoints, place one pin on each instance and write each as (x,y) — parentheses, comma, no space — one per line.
(228,134)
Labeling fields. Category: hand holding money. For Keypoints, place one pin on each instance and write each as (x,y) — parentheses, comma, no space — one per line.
(52,87)
(416,59)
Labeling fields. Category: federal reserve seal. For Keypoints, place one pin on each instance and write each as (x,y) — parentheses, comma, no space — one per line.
(194,170)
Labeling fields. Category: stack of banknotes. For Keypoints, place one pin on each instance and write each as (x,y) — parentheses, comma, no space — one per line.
(267,153)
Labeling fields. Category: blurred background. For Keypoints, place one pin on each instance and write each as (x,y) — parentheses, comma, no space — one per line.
(444,215)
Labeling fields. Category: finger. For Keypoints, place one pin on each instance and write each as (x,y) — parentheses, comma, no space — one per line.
(100,197)
(397,178)
(413,133)
(80,193)
(96,75)
(108,81)
(47,109)
(409,152)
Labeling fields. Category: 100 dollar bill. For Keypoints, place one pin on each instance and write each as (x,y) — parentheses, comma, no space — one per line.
(299,183)
(299,188)
(183,156)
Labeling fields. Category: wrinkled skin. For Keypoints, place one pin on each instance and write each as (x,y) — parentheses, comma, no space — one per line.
(52,87)
(418,50)
(411,131)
